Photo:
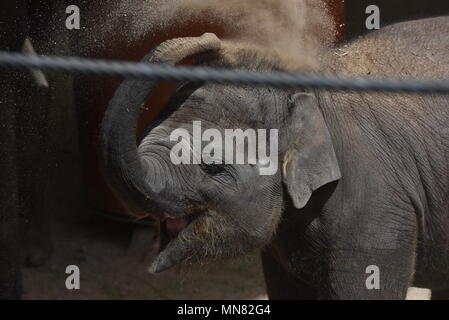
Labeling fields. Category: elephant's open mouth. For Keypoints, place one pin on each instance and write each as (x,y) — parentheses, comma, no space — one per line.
(171,228)
(172,249)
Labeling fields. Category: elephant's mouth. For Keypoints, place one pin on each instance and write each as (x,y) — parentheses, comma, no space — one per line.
(171,228)
(175,226)
(173,235)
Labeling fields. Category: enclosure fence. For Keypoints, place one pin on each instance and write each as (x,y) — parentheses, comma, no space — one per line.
(147,71)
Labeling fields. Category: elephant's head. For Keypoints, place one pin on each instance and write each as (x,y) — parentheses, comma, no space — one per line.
(210,210)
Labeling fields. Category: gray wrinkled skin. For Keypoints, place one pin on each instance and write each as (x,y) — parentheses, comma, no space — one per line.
(363,178)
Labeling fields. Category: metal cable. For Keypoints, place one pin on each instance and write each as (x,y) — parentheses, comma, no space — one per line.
(148,71)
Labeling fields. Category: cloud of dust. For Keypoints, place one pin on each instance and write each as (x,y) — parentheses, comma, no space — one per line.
(295,29)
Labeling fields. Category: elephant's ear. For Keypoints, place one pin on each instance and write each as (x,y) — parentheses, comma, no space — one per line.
(310,160)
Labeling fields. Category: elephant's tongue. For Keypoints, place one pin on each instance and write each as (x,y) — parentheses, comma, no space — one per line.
(175,226)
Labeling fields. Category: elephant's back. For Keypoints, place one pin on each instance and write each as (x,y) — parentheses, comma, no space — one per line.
(414,49)
(418,48)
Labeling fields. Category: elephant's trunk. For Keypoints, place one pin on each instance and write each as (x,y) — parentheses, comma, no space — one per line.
(124,168)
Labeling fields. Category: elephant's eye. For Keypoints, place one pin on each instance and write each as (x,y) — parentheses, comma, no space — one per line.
(212,169)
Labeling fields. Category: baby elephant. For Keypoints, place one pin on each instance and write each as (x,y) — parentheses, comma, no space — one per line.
(358,206)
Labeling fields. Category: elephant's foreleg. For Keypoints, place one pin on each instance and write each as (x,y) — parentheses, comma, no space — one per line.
(369,274)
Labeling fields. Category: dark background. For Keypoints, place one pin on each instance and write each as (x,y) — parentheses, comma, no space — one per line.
(391,11)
